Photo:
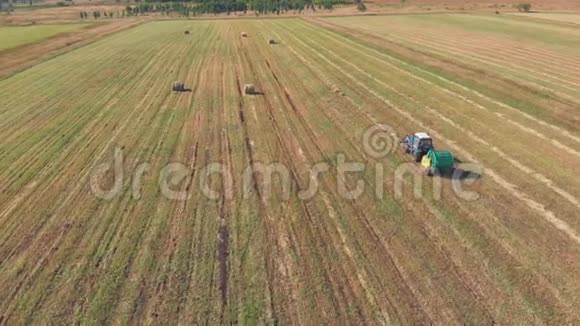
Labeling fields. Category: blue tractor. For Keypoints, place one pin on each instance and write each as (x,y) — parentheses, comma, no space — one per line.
(418,145)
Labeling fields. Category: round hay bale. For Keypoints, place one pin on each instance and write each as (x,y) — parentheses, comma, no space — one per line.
(186,32)
(244,34)
(249,89)
(178,87)
(272,41)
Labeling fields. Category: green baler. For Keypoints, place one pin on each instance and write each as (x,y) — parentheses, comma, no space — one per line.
(438,161)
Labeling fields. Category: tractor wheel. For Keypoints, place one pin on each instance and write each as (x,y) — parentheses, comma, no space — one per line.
(418,157)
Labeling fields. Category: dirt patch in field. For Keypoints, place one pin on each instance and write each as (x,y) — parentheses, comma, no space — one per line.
(25,56)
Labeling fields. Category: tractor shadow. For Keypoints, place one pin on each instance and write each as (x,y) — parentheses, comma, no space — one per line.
(464,175)
(185,90)
(461,174)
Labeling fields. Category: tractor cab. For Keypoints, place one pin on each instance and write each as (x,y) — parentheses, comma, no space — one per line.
(423,141)
(418,145)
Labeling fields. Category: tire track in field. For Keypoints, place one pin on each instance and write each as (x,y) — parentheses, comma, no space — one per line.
(561,131)
(206,128)
(165,281)
(199,203)
(539,208)
(261,202)
(224,232)
(223,265)
(177,214)
(308,206)
(243,226)
(224,202)
(227,205)
(148,231)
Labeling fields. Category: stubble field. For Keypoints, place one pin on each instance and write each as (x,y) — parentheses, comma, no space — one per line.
(502,100)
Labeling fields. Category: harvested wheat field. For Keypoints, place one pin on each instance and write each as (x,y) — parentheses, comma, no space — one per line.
(124,202)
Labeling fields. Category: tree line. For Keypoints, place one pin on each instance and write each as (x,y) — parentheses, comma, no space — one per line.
(198,7)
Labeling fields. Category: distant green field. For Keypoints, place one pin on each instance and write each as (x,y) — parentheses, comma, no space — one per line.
(566,18)
(11,37)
